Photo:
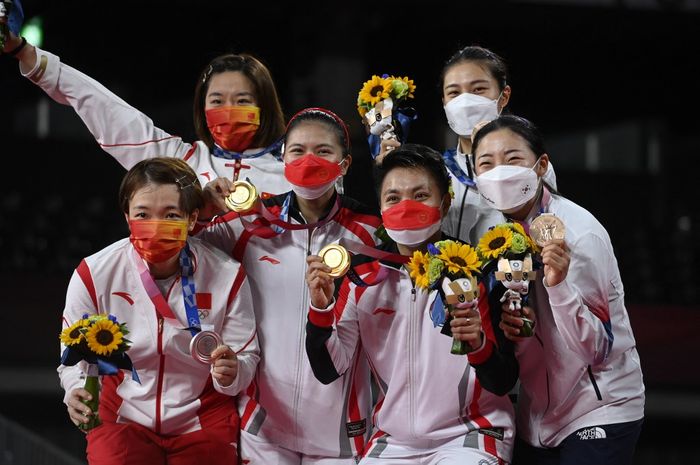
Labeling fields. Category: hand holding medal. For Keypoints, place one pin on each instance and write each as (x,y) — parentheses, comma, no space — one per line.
(208,347)
(224,365)
(243,197)
(548,232)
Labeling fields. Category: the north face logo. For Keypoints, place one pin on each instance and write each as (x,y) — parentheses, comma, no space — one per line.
(594,432)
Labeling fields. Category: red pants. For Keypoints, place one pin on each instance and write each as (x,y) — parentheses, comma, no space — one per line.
(133,444)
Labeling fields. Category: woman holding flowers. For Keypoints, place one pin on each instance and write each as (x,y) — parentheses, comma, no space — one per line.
(168,289)
(582,395)
(433,406)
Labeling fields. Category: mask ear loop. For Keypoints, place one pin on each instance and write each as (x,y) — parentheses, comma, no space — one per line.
(498,99)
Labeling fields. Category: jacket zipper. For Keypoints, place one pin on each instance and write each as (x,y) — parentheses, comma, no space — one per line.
(595,385)
(161,366)
(161,361)
(301,350)
(411,339)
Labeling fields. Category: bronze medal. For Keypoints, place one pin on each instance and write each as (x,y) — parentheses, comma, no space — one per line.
(546,227)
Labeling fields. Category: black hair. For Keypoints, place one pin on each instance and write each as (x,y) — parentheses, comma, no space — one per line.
(414,156)
(163,171)
(495,64)
(518,125)
(328,118)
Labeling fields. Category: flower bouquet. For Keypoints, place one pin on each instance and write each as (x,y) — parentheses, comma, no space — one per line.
(11,18)
(382,104)
(448,267)
(100,341)
(511,248)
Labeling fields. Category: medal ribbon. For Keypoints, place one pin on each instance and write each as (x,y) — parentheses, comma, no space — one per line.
(274,149)
(448,157)
(544,206)
(188,290)
(362,249)
(271,225)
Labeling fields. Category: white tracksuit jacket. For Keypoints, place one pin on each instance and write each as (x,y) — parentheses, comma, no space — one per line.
(427,396)
(174,387)
(130,136)
(285,404)
(582,368)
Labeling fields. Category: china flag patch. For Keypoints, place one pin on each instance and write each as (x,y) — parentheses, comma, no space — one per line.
(203,300)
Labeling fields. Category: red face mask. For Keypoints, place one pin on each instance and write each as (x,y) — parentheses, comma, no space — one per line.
(233,128)
(410,214)
(311,171)
(158,240)
(410,222)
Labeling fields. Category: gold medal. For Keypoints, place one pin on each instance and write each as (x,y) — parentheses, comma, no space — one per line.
(243,198)
(337,258)
(546,227)
(203,344)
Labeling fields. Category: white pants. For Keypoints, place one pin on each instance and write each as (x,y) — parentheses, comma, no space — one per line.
(462,450)
(257,451)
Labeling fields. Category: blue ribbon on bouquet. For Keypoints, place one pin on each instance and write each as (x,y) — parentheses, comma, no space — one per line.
(106,365)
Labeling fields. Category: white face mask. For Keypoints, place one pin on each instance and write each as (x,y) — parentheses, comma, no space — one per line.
(506,187)
(412,237)
(311,193)
(550,177)
(467,110)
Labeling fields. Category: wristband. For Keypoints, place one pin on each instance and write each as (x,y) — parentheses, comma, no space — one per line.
(17,49)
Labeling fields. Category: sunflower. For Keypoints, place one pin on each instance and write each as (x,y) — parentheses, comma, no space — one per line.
(495,242)
(375,90)
(72,335)
(459,258)
(104,337)
(418,268)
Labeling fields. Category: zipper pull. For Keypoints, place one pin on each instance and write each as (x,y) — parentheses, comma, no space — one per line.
(413,294)
(160,325)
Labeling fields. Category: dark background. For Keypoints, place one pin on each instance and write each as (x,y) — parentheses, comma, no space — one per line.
(612,84)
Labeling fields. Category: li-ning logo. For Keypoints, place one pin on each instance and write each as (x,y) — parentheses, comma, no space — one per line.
(265,258)
(126,296)
(594,432)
